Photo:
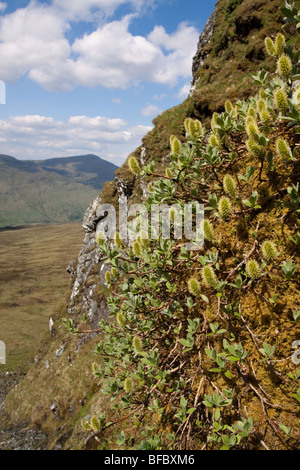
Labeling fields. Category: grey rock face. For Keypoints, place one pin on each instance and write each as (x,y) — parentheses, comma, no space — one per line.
(82,299)
(88,275)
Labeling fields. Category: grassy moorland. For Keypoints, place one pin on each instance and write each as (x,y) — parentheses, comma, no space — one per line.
(53,191)
(33,282)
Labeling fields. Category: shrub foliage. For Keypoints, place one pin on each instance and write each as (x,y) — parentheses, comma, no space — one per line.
(198,350)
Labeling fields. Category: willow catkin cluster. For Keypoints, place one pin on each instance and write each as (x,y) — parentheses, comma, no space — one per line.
(100,238)
(173,213)
(251,128)
(128,385)
(224,207)
(137,248)
(214,138)
(262,94)
(255,149)
(95,423)
(143,243)
(270,46)
(175,145)
(118,240)
(208,231)
(281,100)
(265,116)
(251,112)
(215,141)
(194,286)
(262,107)
(229,186)
(283,150)
(134,166)
(114,272)
(108,277)
(279,43)
(193,128)
(137,344)
(209,277)
(275,48)
(229,108)
(269,250)
(95,367)
(214,120)
(284,66)
(121,319)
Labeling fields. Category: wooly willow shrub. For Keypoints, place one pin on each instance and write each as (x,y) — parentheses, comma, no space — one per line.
(197,352)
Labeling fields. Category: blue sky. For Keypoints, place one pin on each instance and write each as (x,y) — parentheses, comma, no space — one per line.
(88,76)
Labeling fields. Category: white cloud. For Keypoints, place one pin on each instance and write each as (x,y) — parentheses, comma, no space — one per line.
(184,91)
(34,41)
(98,122)
(159,97)
(3,6)
(78,10)
(112,57)
(151,110)
(40,137)
(180,48)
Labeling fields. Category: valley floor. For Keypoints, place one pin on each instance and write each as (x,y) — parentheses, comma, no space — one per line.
(33,283)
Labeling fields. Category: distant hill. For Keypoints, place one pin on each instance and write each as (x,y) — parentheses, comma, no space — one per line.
(57,190)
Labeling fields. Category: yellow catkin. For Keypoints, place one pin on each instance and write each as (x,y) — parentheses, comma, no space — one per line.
(134,166)
(194,287)
(253,269)
(269,250)
(208,231)
(284,66)
(137,344)
(209,277)
(175,145)
(224,207)
(280,100)
(229,186)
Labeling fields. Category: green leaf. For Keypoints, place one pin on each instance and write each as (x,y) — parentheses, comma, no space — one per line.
(228,374)
(285,429)
(211,353)
(183,402)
